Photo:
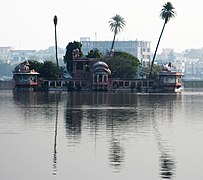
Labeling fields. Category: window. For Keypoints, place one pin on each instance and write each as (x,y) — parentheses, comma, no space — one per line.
(105,79)
(121,83)
(95,79)
(144,84)
(79,66)
(100,78)
(115,84)
(150,84)
(126,84)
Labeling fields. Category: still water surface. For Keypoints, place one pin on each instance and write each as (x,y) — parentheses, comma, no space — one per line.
(101,135)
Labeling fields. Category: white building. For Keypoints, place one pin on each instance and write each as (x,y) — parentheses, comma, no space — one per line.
(18,56)
(5,53)
(139,49)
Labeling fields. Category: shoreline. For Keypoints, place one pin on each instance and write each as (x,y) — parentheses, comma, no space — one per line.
(6,85)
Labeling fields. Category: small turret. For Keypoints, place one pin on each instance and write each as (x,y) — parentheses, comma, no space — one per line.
(76,54)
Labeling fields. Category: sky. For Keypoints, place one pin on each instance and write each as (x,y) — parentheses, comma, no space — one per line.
(28,24)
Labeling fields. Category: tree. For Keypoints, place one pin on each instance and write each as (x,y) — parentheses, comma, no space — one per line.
(68,58)
(50,70)
(94,53)
(116,25)
(148,72)
(55,23)
(35,65)
(123,65)
(166,14)
(46,70)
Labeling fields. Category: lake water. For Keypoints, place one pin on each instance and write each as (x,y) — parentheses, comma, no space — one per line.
(101,135)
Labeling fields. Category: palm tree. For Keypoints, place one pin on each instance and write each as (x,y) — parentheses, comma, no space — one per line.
(116,25)
(55,23)
(166,14)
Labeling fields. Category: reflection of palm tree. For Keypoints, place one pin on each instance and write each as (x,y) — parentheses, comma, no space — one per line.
(166,14)
(116,155)
(167,166)
(55,143)
(116,25)
(167,163)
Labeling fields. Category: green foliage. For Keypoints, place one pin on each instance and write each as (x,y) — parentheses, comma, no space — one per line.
(70,86)
(36,65)
(47,70)
(123,65)
(95,53)
(144,71)
(116,24)
(167,12)
(68,58)
(155,70)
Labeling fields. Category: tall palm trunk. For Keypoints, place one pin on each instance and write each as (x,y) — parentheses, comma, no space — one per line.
(55,23)
(113,41)
(156,49)
(56,48)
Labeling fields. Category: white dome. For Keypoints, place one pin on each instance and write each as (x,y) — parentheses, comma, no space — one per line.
(100,63)
(101,66)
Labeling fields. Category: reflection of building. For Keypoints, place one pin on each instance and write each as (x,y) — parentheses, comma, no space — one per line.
(139,49)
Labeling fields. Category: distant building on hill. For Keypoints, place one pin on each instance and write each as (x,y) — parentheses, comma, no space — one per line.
(139,49)
(50,53)
(10,55)
(5,54)
(18,56)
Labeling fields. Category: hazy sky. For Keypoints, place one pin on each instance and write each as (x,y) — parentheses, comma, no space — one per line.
(28,24)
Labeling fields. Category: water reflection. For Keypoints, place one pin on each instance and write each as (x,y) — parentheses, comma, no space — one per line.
(73,119)
(167,161)
(116,151)
(108,116)
(121,113)
(116,154)
(33,105)
(35,98)
(55,143)
(167,166)
(94,110)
